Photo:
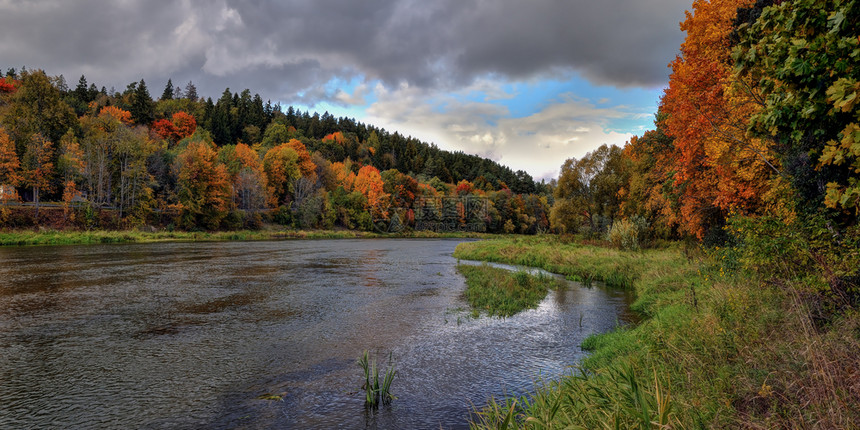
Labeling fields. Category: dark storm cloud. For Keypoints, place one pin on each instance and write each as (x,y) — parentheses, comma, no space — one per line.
(291,48)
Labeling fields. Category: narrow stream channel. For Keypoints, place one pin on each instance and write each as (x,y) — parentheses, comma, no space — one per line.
(209,335)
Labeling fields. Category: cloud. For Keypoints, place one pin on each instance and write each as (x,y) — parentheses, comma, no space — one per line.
(283,49)
(358,96)
(446,71)
(537,143)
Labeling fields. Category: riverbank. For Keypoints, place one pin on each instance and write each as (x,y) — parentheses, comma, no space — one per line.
(716,348)
(75,237)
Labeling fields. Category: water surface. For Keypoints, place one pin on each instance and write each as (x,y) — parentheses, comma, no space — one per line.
(192,335)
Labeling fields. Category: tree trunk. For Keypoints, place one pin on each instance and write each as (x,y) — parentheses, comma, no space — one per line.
(36,201)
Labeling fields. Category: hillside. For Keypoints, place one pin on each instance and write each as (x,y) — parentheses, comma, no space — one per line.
(119,159)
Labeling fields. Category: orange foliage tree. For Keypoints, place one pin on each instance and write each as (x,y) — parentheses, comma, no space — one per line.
(281,166)
(120,115)
(184,125)
(336,137)
(716,168)
(464,187)
(369,182)
(306,163)
(10,174)
(343,174)
(180,126)
(204,187)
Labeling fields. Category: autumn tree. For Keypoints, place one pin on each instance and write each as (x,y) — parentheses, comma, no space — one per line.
(281,166)
(717,167)
(306,163)
(100,139)
(204,187)
(70,165)
(118,114)
(7,85)
(184,125)
(10,175)
(180,126)
(343,174)
(337,137)
(402,188)
(246,173)
(464,187)
(38,166)
(163,128)
(369,183)
(650,192)
(37,108)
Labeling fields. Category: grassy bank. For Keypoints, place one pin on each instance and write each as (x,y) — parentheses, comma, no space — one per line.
(500,292)
(73,237)
(716,349)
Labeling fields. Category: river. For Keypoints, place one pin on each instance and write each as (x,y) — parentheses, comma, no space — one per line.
(210,335)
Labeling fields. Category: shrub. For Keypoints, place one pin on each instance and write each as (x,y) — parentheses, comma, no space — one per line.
(628,234)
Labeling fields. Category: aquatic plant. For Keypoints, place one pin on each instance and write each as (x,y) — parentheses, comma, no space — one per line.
(374,393)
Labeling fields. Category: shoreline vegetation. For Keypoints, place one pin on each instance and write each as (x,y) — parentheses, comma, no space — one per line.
(85,237)
(718,346)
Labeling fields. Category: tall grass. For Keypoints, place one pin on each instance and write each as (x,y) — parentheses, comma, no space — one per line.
(611,399)
(374,392)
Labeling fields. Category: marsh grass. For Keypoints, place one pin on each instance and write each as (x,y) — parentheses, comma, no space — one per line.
(503,293)
(734,350)
(618,398)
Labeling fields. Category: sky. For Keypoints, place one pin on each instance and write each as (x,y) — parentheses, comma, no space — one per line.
(528,83)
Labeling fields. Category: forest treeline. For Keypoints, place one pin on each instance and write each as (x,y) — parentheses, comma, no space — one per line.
(759,123)
(124,159)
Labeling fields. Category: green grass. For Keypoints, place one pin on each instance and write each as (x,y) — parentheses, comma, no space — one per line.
(500,292)
(73,237)
(578,262)
(715,348)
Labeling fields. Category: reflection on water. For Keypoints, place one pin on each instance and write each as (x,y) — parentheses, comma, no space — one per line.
(199,335)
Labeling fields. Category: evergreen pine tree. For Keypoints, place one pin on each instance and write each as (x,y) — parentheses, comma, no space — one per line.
(142,107)
(191,92)
(168,91)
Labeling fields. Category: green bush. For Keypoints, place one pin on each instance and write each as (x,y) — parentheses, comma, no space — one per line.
(628,234)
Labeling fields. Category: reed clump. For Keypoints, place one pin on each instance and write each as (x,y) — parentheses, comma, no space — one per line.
(376,393)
